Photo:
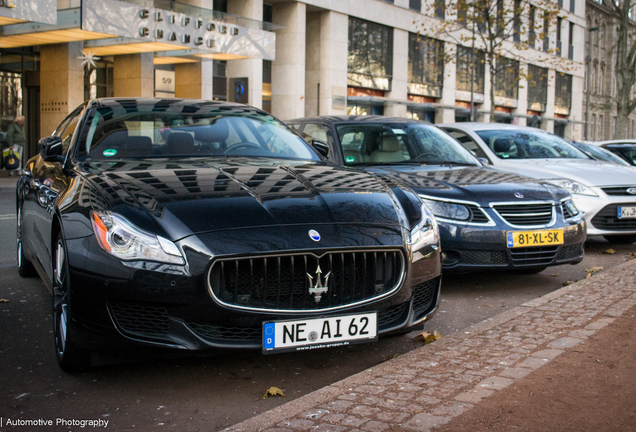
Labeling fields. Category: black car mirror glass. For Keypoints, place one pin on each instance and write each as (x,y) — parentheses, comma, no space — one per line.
(321,147)
(51,148)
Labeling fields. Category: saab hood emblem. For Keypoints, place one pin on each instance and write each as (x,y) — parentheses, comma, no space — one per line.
(519,195)
(318,289)
(631,191)
(315,235)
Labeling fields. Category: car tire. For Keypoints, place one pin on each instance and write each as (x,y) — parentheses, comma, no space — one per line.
(70,357)
(621,239)
(25,267)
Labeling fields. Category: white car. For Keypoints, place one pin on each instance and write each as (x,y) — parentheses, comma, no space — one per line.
(604,191)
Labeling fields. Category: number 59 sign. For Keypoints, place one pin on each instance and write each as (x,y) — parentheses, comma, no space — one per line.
(164,81)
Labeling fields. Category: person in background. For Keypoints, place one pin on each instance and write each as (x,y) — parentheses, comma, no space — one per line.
(16,139)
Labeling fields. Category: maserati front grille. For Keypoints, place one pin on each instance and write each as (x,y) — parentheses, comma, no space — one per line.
(306,282)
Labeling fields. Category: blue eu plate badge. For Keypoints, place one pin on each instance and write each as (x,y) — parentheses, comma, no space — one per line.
(511,241)
(269,330)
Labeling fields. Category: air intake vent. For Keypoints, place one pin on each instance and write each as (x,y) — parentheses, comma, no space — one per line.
(525,214)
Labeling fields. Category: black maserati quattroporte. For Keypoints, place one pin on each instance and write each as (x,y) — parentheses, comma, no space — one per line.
(488,219)
(195,225)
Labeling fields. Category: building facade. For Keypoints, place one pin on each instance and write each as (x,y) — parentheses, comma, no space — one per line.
(601,82)
(291,58)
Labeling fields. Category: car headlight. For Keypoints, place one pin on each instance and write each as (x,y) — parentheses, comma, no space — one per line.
(425,233)
(125,241)
(573,187)
(447,210)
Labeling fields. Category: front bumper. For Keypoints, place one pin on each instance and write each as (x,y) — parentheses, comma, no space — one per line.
(471,248)
(122,307)
(600,213)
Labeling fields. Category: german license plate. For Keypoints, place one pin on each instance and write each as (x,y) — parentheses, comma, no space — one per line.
(308,334)
(627,212)
(534,238)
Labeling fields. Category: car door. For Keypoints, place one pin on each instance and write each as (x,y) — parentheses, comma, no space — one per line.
(47,180)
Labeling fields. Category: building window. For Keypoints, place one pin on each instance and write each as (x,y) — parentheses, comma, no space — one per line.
(570,42)
(370,60)
(267,86)
(601,74)
(462,12)
(532,15)
(219,80)
(563,94)
(516,21)
(559,46)
(426,66)
(507,78)
(465,67)
(220,5)
(600,127)
(594,77)
(440,9)
(98,81)
(415,5)
(537,88)
(593,125)
(500,23)
(572,6)
(546,32)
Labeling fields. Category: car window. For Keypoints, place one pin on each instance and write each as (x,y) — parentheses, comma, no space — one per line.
(599,153)
(528,144)
(364,143)
(294,126)
(67,128)
(628,153)
(144,133)
(468,143)
(315,131)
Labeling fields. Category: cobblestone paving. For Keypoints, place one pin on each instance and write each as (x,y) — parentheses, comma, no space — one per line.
(432,384)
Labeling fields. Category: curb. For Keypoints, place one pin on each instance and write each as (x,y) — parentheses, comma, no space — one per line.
(326,402)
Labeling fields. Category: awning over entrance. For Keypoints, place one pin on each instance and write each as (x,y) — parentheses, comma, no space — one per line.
(19,11)
(139,26)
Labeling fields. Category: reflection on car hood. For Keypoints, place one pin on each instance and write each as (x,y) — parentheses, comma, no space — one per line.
(482,185)
(186,197)
(588,172)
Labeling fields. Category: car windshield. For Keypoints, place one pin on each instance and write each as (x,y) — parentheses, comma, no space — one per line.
(628,152)
(181,131)
(375,144)
(529,144)
(599,153)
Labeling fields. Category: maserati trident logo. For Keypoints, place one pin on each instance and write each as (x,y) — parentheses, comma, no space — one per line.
(519,195)
(318,290)
(631,191)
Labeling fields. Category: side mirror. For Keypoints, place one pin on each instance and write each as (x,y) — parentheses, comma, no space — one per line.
(483,161)
(321,147)
(51,148)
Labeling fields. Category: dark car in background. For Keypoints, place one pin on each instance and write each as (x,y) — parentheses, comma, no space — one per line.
(488,219)
(624,149)
(198,225)
(599,153)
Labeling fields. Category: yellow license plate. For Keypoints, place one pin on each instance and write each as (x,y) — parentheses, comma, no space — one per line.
(534,238)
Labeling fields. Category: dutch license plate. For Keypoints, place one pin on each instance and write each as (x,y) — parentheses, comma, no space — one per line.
(627,212)
(299,335)
(534,238)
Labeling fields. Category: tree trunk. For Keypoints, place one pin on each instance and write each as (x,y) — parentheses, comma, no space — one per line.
(493,72)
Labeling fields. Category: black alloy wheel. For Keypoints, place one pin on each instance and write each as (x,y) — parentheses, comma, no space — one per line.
(70,357)
(25,267)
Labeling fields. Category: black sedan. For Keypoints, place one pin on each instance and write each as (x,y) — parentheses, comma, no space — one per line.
(193,225)
(488,219)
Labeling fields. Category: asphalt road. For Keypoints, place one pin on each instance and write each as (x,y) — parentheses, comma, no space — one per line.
(211,392)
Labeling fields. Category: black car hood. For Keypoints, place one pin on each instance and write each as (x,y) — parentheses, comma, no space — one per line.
(482,185)
(194,196)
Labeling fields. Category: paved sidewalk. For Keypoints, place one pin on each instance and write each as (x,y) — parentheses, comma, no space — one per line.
(431,385)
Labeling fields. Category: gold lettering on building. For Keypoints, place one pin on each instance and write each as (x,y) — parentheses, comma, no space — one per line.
(144,13)
(158,17)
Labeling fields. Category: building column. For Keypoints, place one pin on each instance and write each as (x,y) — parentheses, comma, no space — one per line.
(334,48)
(399,88)
(61,83)
(576,111)
(447,115)
(522,96)
(193,80)
(252,69)
(133,75)
(312,63)
(288,71)
(548,125)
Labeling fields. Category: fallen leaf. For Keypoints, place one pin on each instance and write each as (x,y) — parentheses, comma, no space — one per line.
(594,269)
(568,283)
(555,275)
(609,251)
(273,391)
(428,337)
(4,301)
(632,255)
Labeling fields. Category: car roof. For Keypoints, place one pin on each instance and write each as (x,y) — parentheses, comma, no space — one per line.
(356,118)
(474,126)
(616,142)
(164,103)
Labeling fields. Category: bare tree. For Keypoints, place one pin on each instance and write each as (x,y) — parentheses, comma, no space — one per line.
(501,31)
(625,70)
